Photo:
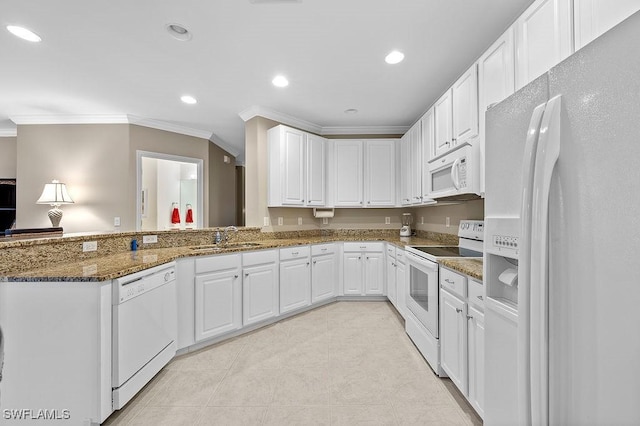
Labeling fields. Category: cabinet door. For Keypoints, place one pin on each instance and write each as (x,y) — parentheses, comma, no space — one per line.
(295,284)
(352,268)
(592,18)
(316,155)
(416,163)
(294,180)
(380,172)
(465,106)
(401,288)
(496,82)
(374,273)
(391,281)
(405,169)
(259,293)
(475,326)
(218,301)
(443,130)
(543,38)
(323,278)
(453,339)
(348,172)
(427,144)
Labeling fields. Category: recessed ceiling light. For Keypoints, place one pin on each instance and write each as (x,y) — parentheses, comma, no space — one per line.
(394,57)
(351,111)
(280,81)
(188,99)
(179,32)
(24,33)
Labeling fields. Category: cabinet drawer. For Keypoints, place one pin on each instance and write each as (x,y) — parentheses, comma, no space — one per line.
(391,250)
(363,246)
(453,282)
(475,292)
(319,249)
(294,252)
(259,257)
(217,263)
(400,256)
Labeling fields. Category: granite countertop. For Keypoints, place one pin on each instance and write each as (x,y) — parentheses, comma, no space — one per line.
(467,266)
(104,268)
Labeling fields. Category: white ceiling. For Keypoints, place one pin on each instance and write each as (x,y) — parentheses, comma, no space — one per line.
(115,57)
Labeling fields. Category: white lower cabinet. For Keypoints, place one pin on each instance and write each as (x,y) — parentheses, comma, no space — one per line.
(295,279)
(218,297)
(392,292)
(260,293)
(462,334)
(453,339)
(324,277)
(363,269)
(475,343)
(401,282)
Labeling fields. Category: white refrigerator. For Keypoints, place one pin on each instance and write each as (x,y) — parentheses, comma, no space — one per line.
(562,242)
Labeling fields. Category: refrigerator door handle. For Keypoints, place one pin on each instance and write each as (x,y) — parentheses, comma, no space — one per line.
(454,174)
(524,267)
(546,158)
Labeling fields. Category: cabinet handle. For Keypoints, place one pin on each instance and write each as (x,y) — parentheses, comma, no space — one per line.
(359,257)
(454,139)
(469,316)
(406,199)
(307,263)
(314,262)
(368,202)
(480,297)
(448,281)
(367,257)
(246,274)
(323,249)
(458,310)
(363,247)
(235,276)
(447,143)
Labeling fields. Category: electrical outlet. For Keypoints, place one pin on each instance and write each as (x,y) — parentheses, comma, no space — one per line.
(89,246)
(116,221)
(266,221)
(149,239)
(421,220)
(325,220)
(280,221)
(387,220)
(299,221)
(447,222)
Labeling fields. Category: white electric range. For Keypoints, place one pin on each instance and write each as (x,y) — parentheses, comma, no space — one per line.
(422,323)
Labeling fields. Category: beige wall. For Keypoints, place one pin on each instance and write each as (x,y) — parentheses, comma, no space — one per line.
(222,187)
(92,159)
(256,170)
(8,157)
(435,217)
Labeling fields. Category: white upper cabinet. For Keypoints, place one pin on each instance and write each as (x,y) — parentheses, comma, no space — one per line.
(427,142)
(442,141)
(405,169)
(348,171)
(296,162)
(415,165)
(496,82)
(465,106)
(543,38)
(364,173)
(316,170)
(592,18)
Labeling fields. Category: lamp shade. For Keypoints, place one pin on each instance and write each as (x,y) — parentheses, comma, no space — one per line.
(55,193)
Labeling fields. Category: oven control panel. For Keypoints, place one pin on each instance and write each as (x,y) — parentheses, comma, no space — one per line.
(471,229)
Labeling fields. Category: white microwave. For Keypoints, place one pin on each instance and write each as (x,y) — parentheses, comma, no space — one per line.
(455,175)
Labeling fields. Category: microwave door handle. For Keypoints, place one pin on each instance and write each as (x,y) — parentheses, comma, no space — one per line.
(454,174)
(524,266)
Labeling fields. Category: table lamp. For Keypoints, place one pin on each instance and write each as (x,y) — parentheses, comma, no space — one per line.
(55,194)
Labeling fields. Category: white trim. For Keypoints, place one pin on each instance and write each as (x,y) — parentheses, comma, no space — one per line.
(255,110)
(169,127)
(224,145)
(258,111)
(8,133)
(70,119)
(365,130)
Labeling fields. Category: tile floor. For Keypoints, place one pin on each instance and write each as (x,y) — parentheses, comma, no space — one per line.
(346,363)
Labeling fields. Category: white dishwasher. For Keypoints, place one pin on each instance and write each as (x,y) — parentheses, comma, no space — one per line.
(144,329)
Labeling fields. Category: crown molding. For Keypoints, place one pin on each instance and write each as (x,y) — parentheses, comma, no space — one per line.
(8,133)
(258,111)
(224,145)
(365,130)
(169,127)
(70,119)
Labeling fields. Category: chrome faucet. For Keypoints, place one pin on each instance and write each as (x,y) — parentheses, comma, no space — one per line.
(225,237)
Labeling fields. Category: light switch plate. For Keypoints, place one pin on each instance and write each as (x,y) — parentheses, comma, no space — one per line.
(299,221)
(280,221)
(325,220)
(116,221)
(149,239)
(89,246)
(387,220)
